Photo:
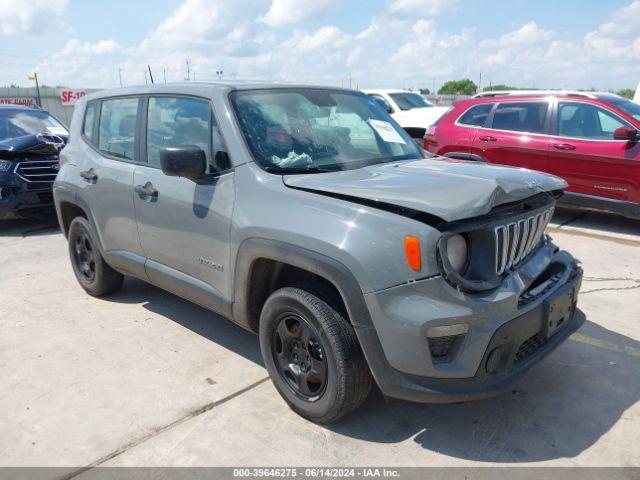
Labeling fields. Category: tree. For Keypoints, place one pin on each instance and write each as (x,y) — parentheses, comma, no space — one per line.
(458,87)
(626,93)
(498,88)
(425,91)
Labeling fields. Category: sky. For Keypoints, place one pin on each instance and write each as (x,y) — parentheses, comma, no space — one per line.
(363,44)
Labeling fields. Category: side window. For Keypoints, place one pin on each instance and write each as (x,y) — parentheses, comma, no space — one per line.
(89,120)
(520,117)
(176,121)
(117,127)
(476,116)
(583,120)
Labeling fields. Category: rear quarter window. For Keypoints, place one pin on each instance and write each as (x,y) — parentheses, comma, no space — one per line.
(89,121)
(476,116)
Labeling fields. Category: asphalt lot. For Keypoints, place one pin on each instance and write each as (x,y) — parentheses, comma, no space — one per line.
(145,378)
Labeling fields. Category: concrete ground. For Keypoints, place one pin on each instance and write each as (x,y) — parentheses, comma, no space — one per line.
(145,378)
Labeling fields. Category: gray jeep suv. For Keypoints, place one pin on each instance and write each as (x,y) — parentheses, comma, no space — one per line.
(308,216)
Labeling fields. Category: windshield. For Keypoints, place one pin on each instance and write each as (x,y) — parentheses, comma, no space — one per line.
(313,130)
(628,107)
(17,123)
(409,101)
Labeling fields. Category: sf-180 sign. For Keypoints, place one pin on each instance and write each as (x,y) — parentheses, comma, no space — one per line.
(70,97)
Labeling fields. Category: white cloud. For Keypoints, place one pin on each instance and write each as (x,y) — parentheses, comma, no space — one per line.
(527,34)
(32,16)
(287,12)
(403,45)
(421,8)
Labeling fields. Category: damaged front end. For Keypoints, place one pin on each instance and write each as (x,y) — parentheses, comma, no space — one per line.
(28,166)
(495,244)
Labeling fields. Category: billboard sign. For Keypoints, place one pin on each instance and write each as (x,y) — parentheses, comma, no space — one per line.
(27,101)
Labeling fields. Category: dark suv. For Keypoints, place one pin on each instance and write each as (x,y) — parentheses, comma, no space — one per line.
(30,141)
(589,139)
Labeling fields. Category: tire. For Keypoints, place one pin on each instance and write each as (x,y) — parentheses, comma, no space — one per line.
(293,316)
(92,272)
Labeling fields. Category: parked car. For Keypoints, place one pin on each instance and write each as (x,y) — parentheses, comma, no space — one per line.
(30,142)
(308,216)
(589,139)
(411,110)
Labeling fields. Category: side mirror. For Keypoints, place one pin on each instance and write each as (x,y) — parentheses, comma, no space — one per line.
(186,161)
(382,104)
(625,133)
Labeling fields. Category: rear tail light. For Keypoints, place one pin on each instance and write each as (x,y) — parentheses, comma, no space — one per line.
(429,136)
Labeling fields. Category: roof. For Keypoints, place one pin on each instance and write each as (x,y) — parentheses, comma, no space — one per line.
(387,90)
(541,93)
(18,106)
(203,88)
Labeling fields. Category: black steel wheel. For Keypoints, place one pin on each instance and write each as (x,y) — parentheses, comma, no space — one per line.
(312,355)
(299,357)
(90,268)
(85,256)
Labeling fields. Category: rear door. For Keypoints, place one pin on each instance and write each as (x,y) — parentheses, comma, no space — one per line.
(517,135)
(586,155)
(106,184)
(184,227)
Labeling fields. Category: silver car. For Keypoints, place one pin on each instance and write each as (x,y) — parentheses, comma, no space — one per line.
(308,216)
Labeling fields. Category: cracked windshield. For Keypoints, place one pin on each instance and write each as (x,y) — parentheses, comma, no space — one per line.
(311,130)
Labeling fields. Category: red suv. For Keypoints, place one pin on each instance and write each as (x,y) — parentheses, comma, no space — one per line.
(589,139)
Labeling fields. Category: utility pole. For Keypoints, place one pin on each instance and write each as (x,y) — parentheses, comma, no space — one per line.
(164,74)
(150,74)
(146,81)
(480,84)
(120,76)
(35,75)
(188,77)
(349,79)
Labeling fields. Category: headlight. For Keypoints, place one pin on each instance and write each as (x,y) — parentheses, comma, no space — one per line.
(5,165)
(457,252)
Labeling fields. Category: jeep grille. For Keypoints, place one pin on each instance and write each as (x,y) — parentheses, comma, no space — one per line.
(516,240)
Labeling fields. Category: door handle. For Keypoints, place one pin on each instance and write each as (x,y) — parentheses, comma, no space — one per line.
(89,175)
(487,138)
(146,191)
(564,146)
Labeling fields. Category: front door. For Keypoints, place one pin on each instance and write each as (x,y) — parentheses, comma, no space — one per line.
(587,156)
(517,135)
(184,227)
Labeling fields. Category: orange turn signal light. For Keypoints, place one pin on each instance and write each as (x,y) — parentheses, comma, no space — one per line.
(412,251)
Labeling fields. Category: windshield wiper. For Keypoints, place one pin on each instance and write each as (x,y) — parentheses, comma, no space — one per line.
(309,169)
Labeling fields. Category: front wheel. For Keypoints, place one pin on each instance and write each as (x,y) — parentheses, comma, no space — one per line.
(312,355)
(92,272)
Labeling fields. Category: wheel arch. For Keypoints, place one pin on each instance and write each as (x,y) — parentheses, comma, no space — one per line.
(263,266)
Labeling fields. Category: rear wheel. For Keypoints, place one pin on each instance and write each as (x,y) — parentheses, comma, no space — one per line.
(312,355)
(92,272)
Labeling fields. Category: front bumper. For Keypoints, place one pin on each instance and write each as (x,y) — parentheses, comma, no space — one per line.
(510,321)
(19,198)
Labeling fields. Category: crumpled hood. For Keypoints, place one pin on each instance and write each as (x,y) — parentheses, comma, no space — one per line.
(39,144)
(447,188)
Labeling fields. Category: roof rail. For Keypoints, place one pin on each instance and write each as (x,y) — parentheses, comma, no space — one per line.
(525,93)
